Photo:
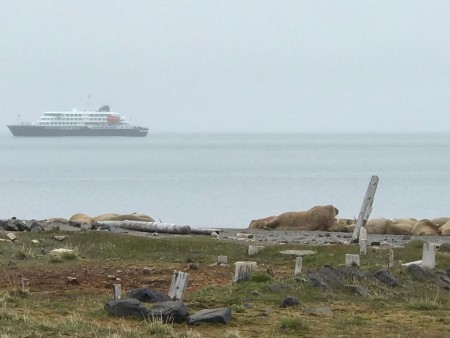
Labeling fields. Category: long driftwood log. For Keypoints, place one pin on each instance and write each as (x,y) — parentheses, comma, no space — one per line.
(149,226)
(158,227)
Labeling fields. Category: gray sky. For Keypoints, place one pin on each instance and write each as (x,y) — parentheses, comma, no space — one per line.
(231,65)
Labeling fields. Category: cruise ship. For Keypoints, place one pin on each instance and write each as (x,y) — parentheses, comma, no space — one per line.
(79,123)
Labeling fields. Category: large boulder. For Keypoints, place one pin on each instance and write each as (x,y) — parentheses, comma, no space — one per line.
(148,295)
(221,315)
(260,223)
(316,218)
(377,225)
(170,311)
(425,228)
(126,308)
(401,226)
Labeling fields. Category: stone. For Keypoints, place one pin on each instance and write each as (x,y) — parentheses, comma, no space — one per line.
(220,315)
(418,273)
(147,295)
(322,310)
(358,289)
(169,311)
(385,277)
(289,301)
(126,308)
(298,252)
(35,227)
(60,251)
(317,281)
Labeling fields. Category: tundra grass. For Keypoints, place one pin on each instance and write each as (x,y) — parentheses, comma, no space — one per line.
(404,310)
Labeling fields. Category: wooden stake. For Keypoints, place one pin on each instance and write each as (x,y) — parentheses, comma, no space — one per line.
(298,265)
(244,270)
(391,258)
(178,285)
(117,291)
(366,208)
(222,259)
(429,255)
(351,260)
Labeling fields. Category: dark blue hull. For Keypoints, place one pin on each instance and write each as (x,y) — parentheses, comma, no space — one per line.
(41,131)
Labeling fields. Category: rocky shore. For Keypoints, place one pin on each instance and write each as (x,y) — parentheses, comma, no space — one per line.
(257,236)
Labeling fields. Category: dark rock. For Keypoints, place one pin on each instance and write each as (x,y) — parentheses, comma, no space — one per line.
(35,226)
(317,281)
(358,289)
(375,243)
(255,293)
(406,237)
(418,273)
(147,295)
(352,273)
(385,277)
(22,226)
(443,281)
(11,225)
(170,311)
(289,301)
(276,287)
(126,308)
(194,266)
(221,315)
(330,275)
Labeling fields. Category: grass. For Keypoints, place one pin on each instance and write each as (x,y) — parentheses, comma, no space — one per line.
(78,310)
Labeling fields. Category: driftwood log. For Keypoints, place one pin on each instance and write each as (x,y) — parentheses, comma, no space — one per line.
(158,227)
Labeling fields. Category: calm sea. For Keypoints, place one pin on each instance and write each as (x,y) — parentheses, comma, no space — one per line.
(224,180)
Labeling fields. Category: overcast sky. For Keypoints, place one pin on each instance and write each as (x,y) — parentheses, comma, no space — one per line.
(231,65)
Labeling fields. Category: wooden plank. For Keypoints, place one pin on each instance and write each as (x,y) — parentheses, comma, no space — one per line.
(117,291)
(366,208)
(178,285)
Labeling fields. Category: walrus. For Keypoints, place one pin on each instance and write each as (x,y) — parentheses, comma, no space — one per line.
(343,225)
(425,228)
(377,225)
(445,229)
(401,226)
(260,223)
(440,221)
(316,218)
(126,217)
(81,219)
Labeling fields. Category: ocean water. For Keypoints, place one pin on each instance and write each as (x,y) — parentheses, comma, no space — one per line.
(224,180)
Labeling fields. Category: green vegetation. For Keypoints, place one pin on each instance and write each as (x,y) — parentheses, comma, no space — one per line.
(54,307)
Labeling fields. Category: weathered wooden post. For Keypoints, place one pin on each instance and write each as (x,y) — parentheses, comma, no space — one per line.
(178,285)
(25,284)
(391,258)
(222,260)
(117,291)
(366,208)
(298,265)
(351,260)
(244,270)
(254,249)
(363,241)
(429,255)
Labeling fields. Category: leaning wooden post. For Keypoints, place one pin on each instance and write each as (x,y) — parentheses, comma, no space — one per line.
(366,208)
(391,258)
(178,285)
(117,290)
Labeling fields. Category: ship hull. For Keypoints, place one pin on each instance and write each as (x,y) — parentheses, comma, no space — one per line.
(45,131)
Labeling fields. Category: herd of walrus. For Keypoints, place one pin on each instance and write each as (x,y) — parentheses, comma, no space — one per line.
(325,218)
(322,218)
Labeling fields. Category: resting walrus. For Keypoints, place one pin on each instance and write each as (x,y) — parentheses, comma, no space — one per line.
(316,218)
